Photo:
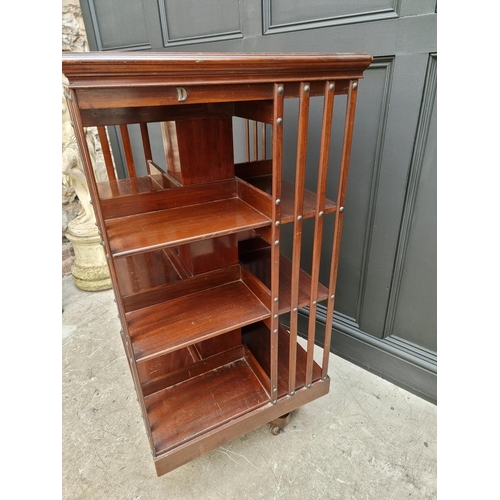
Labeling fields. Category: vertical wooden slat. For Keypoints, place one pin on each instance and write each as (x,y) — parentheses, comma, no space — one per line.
(326,131)
(263,142)
(106,151)
(255,141)
(146,145)
(300,175)
(277,148)
(127,147)
(339,215)
(247,140)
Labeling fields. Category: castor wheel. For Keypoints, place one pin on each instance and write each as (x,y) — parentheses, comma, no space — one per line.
(275,430)
(278,424)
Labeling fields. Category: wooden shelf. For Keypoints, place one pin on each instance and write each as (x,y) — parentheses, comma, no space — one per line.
(258,262)
(288,197)
(283,357)
(174,324)
(148,231)
(263,182)
(223,388)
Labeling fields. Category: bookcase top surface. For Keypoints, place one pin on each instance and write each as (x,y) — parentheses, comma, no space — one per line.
(136,68)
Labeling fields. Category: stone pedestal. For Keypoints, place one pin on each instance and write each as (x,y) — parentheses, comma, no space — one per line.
(90,268)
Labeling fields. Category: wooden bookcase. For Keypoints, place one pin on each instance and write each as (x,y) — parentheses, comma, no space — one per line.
(193,244)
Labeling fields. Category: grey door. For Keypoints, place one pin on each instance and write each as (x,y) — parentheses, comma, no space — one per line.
(385,315)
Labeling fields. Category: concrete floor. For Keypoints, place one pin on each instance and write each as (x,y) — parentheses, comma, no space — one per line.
(366,439)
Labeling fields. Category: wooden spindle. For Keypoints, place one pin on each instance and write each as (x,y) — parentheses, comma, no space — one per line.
(263,142)
(247,140)
(106,152)
(277,146)
(146,145)
(339,216)
(127,147)
(300,175)
(326,130)
(255,141)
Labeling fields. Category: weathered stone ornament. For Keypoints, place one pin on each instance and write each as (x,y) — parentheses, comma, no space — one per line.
(90,269)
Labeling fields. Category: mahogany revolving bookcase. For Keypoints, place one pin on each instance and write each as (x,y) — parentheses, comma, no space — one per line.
(193,240)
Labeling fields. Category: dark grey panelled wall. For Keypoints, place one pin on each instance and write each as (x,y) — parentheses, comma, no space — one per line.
(386,296)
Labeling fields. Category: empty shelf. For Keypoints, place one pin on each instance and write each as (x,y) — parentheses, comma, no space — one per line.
(288,198)
(257,338)
(175,226)
(258,262)
(180,322)
(194,406)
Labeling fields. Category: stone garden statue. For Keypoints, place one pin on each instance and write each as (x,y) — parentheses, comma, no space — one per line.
(90,269)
